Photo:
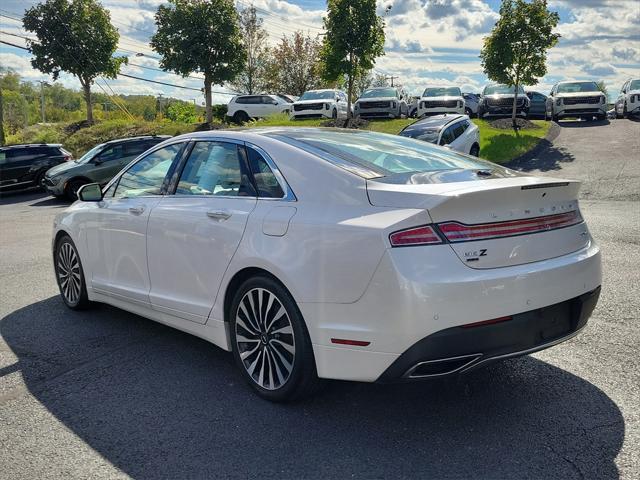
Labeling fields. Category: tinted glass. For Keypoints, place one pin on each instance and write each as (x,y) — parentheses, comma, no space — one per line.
(448,136)
(268,100)
(501,90)
(315,95)
(425,134)
(382,153)
(90,154)
(111,153)
(578,87)
(214,168)
(379,92)
(458,129)
(634,85)
(248,100)
(147,175)
(266,182)
(442,92)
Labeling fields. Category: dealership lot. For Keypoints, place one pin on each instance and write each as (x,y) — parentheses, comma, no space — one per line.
(106,394)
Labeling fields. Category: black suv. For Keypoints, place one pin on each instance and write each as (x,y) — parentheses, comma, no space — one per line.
(24,166)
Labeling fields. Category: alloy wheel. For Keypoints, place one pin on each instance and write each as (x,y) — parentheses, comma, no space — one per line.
(69,273)
(265,339)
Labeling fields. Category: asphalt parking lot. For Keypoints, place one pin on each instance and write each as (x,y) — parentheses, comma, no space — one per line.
(107,394)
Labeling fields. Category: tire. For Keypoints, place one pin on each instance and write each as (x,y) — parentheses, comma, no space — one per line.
(625,113)
(71,192)
(290,370)
(240,116)
(468,112)
(554,117)
(40,181)
(334,114)
(475,150)
(69,274)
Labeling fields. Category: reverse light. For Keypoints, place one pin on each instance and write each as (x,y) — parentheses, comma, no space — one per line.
(424,235)
(459,232)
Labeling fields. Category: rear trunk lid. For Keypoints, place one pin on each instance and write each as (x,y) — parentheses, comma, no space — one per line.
(496,222)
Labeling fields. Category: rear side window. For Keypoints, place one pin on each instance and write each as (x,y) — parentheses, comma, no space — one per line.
(266,182)
(249,100)
(111,153)
(214,168)
(133,149)
(448,136)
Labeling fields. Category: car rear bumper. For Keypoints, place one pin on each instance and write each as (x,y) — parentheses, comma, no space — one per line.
(418,292)
(461,349)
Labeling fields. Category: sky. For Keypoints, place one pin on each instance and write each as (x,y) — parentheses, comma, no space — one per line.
(428,42)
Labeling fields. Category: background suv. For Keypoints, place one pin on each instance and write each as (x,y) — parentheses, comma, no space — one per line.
(576,99)
(628,102)
(498,100)
(24,166)
(471,101)
(319,104)
(98,165)
(244,107)
(437,100)
(382,102)
(456,132)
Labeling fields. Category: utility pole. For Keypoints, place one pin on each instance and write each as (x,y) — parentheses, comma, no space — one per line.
(392,78)
(42,100)
(2,141)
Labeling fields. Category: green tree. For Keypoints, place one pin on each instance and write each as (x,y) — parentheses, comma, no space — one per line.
(603,88)
(354,39)
(74,36)
(293,65)
(252,78)
(200,36)
(515,51)
(182,112)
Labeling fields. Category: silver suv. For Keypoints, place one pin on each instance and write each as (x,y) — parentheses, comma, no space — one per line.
(576,99)
(498,100)
(382,102)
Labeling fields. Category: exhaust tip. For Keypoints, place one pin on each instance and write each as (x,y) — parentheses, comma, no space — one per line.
(441,366)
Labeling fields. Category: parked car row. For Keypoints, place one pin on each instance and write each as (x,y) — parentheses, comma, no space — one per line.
(24,166)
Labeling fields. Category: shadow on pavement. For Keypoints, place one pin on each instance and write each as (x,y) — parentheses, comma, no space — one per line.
(582,123)
(159,403)
(545,157)
(39,199)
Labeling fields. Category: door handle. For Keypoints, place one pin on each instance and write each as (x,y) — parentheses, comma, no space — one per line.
(219,215)
(136,210)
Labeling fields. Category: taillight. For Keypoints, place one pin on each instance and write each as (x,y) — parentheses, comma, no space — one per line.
(459,232)
(424,235)
(67,158)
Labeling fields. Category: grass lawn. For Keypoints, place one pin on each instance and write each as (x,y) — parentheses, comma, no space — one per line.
(496,145)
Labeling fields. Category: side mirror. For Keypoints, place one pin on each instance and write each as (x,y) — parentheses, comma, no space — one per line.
(91,192)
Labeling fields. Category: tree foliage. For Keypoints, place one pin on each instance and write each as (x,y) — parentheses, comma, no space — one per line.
(354,39)
(293,65)
(182,112)
(74,36)
(252,79)
(515,51)
(200,36)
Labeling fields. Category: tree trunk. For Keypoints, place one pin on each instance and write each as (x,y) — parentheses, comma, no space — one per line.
(513,110)
(207,99)
(350,88)
(2,140)
(86,88)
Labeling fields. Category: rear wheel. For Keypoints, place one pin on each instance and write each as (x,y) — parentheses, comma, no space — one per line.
(69,275)
(468,112)
(40,181)
(475,150)
(334,114)
(270,341)
(240,116)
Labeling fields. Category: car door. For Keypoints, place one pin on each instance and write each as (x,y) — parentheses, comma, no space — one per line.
(16,165)
(119,238)
(270,106)
(194,233)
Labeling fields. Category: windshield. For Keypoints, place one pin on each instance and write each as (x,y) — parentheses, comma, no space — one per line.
(318,95)
(90,154)
(442,92)
(382,153)
(635,85)
(379,92)
(578,87)
(501,90)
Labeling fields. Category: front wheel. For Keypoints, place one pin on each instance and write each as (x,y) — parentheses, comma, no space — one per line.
(69,274)
(270,341)
(71,192)
(334,114)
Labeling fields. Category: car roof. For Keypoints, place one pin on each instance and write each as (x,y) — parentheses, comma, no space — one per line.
(27,145)
(133,139)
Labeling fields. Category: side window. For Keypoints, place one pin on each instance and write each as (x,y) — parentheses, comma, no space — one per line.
(110,153)
(214,168)
(458,129)
(3,157)
(266,182)
(133,149)
(12,155)
(447,136)
(267,100)
(146,176)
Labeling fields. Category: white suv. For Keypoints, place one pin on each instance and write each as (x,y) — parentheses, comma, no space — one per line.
(456,132)
(628,102)
(244,107)
(576,99)
(320,104)
(436,100)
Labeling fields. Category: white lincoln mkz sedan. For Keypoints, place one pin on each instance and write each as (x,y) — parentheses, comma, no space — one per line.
(349,255)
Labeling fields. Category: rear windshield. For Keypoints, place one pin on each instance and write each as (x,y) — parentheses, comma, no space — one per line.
(578,87)
(380,92)
(442,92)
(315,95)
(381,153)
(501,90)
